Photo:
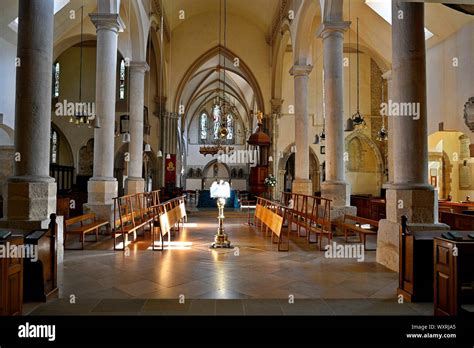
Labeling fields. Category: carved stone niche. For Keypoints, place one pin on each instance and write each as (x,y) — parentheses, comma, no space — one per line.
(469,113)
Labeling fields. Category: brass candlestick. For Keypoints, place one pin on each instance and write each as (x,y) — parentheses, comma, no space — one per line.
(220,239)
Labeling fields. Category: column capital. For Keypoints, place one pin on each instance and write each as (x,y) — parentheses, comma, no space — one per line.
(301,70)
(387,75)
(276,104)
(107,21)
(139,66)
(332,27)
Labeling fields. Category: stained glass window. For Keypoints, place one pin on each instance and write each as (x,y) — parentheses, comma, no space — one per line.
(54,146)
(204,123)
(57,71)
(216,113)
(122,80)
(230,127)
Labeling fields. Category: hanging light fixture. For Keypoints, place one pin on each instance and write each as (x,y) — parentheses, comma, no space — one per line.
(168,156)
(382,134)
(159,154)
(357,119)
(79,117)
(147,147)
(126,137)
(220,102)
(349,126)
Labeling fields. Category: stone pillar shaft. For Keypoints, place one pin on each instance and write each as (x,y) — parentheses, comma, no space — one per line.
(335,187)
(410,148)
(333,41)
(107,26)
(137,95)
(33,88)
(135,182)
(30,195)
(301,76)
(102,187)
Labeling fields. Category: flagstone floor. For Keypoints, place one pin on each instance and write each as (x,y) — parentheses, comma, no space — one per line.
(252,278)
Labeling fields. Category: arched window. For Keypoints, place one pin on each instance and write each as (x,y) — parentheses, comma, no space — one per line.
(57,71)
(203,126)
(216,118)
(54,146)
(230,127)
(122,79)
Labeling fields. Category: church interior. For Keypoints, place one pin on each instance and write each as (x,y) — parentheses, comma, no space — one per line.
(236,157)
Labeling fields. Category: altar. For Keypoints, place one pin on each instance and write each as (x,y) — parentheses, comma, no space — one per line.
(205,200)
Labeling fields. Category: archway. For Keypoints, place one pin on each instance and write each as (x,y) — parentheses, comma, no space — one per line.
(364,165)
(286,166)
(213,171)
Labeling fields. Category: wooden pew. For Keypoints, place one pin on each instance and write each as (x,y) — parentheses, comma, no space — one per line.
(454,277)
(167,216)
(311,213)
(88,223)
(132,213)
(271,216)
(354,224)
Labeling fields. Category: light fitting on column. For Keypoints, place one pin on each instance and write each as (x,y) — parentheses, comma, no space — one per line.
(349,127)
(147,148)
(159,154)
(125,137)
(357,119)
(382,134)
(270,158)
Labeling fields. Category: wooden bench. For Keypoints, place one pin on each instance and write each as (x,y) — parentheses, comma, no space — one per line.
(82,225)
(309,213)
(167,216)
(132,213)
(271,215)
(352,223)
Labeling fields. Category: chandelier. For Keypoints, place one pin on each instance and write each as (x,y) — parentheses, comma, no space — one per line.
(356,121)
(220,101)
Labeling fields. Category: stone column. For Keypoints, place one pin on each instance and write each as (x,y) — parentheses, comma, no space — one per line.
(335,187)
(301,184)
(30,195)
(102,187)
(135,183)
(409,194)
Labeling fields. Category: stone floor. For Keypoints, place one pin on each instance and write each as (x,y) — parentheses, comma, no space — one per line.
(252,278)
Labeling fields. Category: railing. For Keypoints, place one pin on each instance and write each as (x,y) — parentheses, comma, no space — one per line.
(63,176)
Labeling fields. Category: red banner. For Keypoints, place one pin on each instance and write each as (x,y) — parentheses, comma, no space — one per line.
(170,169)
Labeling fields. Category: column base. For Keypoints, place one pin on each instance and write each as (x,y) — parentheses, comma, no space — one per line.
(388,240)
(338,191)
(100,198)
(419,205)
(29,201)
(134,185)
(302,186)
